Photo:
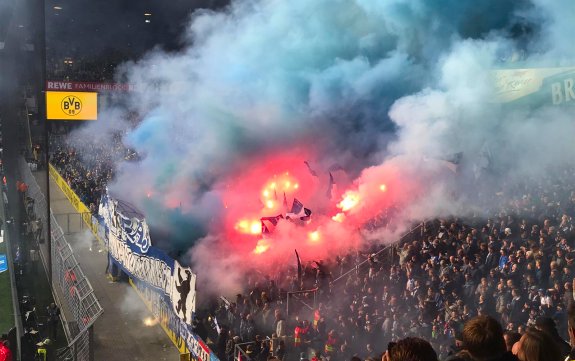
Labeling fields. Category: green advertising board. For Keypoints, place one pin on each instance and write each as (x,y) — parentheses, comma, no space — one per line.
(536,87)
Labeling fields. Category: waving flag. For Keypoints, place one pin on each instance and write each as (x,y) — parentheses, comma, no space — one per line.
(269,223)
(330,186)
(311,171)
(298,211)
(299,268)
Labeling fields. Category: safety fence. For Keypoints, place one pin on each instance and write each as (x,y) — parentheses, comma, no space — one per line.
(305,298)
(83,219)
(70,286)
(242,351)
(389,252)
(71,222)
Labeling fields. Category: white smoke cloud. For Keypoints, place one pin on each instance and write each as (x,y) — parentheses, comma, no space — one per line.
(343,78)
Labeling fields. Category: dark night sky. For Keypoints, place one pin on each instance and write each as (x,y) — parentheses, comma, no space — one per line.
(90,28)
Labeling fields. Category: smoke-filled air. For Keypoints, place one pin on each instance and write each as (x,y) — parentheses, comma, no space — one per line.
(370,114)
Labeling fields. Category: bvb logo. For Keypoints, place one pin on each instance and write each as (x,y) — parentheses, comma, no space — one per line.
(71,105)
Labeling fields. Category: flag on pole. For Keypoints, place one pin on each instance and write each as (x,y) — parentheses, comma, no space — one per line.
(269,223)
(299,268)
(330,186)
(311,171)
(298,211)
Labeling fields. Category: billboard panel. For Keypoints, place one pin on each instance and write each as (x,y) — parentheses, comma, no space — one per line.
(87,86)
(71,105)
(536,86)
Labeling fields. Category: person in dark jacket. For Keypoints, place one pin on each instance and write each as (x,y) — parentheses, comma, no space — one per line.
(482,338)
(410,349)
(247,329)
(547,324)
(571,330)
(280,351)
(536,345)
(221,343)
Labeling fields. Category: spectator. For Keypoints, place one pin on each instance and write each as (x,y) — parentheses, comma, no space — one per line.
(5,352)
(536,345)
(410,349)
(571,330)
(547,325)
(331,344)
(280,351)
(247,328)
(511,338)
(53,320)
(231,346)
(280,324)
(483,340)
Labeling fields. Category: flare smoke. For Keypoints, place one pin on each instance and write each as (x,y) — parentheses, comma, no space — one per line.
(387,91)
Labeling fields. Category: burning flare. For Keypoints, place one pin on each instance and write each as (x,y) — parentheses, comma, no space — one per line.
(314,236)
(262,246)
(278,185)
(150,321)
(249,226)
(350,200)
(340,217)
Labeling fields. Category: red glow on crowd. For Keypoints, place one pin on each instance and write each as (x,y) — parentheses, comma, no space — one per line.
(259,197)
(265,188)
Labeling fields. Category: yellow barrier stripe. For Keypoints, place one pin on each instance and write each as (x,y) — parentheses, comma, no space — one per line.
(75,201)
(171,335)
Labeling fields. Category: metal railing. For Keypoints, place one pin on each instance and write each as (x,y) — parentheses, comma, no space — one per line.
(74,285)
(71,222)
(295,295)
(412,234)
(79,350)
(72,290)
(241,349)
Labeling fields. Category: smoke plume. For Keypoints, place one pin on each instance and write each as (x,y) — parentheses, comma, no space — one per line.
(381,93)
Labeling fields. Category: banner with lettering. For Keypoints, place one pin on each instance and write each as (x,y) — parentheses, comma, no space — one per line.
(166,287)
(178,331)
(155,87)
(130,246)
(87,86)
(535,86)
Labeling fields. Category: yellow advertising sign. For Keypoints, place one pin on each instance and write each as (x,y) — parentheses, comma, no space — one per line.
(71,105)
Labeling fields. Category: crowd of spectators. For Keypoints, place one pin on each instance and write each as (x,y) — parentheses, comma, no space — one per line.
(84,69)
(516,266)
(89,171)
